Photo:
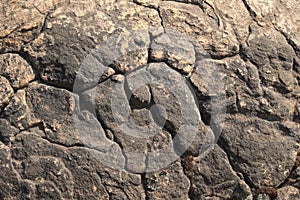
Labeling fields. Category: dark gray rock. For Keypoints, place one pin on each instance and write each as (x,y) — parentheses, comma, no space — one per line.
(61,47)
(126,99)
(18,113)
(51,170)
(10,187)
(212,176)
(75,173)
(55,109)
(273,56)
(7,131)
(167,183)
(177,115)
(141,97)
(249,140)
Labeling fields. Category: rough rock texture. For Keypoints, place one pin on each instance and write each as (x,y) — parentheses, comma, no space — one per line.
(16,70)
(149,99)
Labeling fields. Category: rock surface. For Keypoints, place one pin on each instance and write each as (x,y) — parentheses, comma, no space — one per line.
(149,99)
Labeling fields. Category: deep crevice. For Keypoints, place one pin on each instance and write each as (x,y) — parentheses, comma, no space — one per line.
(289,41)
(187,164)
(161,19)
(291,173)
(251,12)
(115,139)
(193,2)
(154,8)
(144,183)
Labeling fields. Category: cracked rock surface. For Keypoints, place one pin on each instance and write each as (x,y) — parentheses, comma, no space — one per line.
(150,99)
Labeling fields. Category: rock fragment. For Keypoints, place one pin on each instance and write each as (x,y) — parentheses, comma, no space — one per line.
(241,140)
(16,70)
(167,183)
(177,51)
(283,21)
(288,192)
(20,23)
(18,113)
(6,92)
(213,176)
(7,131)
(191,20)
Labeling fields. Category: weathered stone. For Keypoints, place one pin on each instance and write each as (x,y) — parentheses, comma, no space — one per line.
(282,15)
(141,97)
(267,193)
(16,70)
(148,3)
(175,50)
(140,92)
(10,188)
(7,131)
(249,140)
(167,183)
(91,72)
(93,187)
(273,56)
(244,89)
(296,117)
(125,51)
(67,37)
(131,16)
(18,113)
(49,169)
(131,127)
(51,105)
(131,184)
(71,27)
(288,192)
(191,20)
(21,22)
(74,171)
(103,103)
(30,143)
(274,106)
(118,78)
(213,176)
(234,13)
(208,78)
(113,109)
(6,92)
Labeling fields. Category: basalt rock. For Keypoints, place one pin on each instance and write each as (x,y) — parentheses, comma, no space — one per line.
(149,99)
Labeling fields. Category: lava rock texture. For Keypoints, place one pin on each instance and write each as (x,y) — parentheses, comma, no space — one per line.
(149,99)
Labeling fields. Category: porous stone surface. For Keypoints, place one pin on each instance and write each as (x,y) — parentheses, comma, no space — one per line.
(6,92)
(288,192)
(150,99)
(16,70)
